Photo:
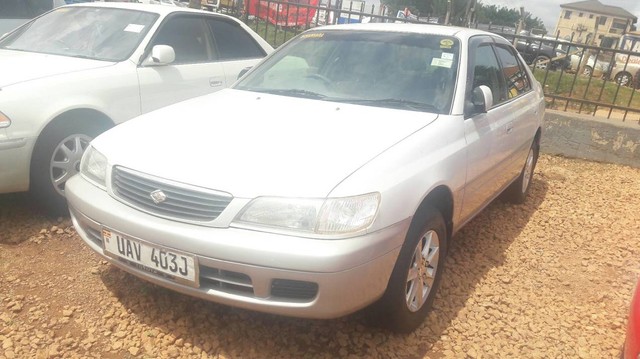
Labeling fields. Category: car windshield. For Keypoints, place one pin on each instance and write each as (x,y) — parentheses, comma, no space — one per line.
(86,32)
(386,69)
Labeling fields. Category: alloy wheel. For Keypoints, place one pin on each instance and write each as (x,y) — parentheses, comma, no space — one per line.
(422,271)
(65,161)
(528,171)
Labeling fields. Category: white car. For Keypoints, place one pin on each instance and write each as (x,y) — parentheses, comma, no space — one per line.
(592,67)
(330,177)
(626,68)
(78,70)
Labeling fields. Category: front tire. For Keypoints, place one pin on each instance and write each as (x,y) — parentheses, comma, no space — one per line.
(56,158)
(416,275)
(541,62)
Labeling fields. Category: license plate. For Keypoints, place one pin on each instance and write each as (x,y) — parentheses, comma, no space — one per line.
(158,260)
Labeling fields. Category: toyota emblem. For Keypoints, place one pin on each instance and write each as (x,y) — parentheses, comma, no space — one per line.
(158,196)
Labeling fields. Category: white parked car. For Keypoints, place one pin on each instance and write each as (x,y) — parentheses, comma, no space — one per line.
(330,177)
(78,70)
(626,68)
(593,67)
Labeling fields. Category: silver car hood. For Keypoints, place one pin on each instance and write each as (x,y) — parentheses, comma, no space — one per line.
(251,144)
(20,66)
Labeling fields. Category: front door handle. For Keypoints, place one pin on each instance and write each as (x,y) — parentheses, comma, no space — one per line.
(213,82)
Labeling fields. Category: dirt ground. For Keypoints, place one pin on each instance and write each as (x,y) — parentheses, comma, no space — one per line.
(548,279)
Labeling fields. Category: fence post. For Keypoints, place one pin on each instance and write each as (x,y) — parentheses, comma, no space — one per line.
(448,16)
(586,52)
(519,27)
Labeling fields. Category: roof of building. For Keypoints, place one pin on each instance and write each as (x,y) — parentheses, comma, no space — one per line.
(597,7)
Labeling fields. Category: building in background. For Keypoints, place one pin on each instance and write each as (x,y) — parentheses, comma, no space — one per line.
(578,21)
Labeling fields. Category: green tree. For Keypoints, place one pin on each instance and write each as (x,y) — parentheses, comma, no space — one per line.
(501,15)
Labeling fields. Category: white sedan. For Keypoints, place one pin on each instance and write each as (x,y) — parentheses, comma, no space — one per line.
(332,176)
(78,70)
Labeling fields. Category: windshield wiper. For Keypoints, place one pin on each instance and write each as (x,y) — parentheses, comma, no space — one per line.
(293,92)
(395,103)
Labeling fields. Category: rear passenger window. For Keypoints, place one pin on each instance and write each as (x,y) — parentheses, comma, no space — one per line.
(232,42)
(513,72)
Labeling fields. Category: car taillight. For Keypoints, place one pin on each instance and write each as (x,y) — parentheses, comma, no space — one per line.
(632,342)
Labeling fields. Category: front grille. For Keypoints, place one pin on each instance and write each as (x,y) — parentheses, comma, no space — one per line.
(182,201)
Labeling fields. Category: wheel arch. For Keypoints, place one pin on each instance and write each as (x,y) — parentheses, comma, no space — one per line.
(440,198)
(70,117)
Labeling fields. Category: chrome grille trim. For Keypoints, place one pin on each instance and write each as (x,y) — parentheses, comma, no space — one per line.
(184,202)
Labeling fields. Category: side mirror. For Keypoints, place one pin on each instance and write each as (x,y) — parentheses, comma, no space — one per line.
(481,101)
(160,55)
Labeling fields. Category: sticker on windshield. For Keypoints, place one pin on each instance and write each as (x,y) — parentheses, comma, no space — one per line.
(134,28)
(447,56)
(446,43)
(441,63)
(313,35)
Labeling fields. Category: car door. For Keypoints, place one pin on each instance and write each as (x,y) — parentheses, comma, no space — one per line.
(195,70)
(518,126)
(482,128)
(235,48)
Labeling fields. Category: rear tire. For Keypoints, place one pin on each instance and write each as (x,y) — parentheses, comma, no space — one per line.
(624,79)
(416,275)
(56,158)
(518,190)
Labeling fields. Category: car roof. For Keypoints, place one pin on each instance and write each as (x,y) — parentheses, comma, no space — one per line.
(155,8)
(454,31)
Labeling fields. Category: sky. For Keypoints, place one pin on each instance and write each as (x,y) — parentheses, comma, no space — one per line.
(549,10)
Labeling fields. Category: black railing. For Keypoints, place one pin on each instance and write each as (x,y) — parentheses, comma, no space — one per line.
(583,78)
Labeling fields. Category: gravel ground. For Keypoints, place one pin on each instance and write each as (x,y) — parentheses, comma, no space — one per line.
(548,279)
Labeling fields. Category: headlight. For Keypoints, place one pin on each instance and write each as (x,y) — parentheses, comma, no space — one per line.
(93,166)
(4,121)
(320,216)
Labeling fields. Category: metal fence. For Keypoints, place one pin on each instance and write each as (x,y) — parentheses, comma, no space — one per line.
(583,78)
(576,77)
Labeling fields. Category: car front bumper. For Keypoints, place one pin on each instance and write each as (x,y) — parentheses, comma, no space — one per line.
(267,272)
(14,163)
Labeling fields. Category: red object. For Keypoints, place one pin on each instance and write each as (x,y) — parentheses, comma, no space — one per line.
(632,342)
(284,13)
